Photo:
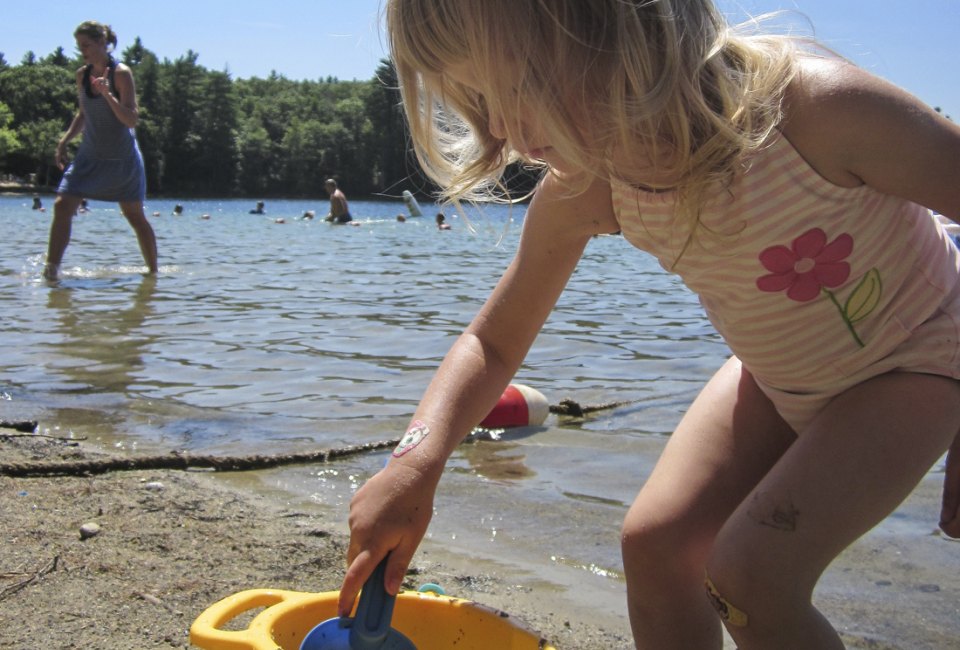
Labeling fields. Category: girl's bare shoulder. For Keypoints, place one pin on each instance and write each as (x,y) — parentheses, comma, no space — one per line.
(820,113)
(854,128)
(577,213)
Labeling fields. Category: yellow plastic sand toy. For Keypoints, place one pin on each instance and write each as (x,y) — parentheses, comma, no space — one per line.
(431,621)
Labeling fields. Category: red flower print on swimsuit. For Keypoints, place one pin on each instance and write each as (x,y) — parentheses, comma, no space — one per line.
(811,265)
(806,266)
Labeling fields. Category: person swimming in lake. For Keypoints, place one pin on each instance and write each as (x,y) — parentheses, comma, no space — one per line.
(442,222)
(259,209)
(108,166)
(339,210)
(791,191)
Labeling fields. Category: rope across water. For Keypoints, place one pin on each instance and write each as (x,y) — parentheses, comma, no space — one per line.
(185,461)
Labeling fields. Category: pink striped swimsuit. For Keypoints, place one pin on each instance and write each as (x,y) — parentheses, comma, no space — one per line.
(815,287)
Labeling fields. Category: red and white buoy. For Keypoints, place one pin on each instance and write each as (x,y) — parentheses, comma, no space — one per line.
(519,406)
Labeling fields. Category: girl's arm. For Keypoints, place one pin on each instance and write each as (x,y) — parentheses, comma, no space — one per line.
(390,513)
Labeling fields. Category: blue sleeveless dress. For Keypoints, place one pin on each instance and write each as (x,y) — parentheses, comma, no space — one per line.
(109,165)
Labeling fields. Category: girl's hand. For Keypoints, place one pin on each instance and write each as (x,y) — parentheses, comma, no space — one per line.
(389,514)
(950,514)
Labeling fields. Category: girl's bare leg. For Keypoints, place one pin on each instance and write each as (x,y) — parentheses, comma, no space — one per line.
(64,208)
(133,211)
(950,512)
(847,471)
(728,440)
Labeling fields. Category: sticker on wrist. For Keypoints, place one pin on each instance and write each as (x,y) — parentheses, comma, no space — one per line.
(413,437)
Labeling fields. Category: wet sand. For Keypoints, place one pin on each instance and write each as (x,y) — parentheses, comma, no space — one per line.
(172,543)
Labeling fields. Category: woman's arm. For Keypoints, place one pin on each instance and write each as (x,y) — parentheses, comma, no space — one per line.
(391,512)
(75,128)
(125,108)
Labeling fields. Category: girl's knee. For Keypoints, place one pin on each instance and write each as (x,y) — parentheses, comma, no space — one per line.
(761,611)
(745,593)
(642,537)
(729,613)
(729,580)
(654,545)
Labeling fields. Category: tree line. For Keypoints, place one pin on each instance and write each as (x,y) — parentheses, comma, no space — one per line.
(203,133)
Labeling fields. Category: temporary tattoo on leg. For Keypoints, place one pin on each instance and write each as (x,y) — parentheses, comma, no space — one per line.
(767,512)
(413,437)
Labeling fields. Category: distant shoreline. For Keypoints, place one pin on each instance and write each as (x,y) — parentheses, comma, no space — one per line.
(17,188)
(14,188)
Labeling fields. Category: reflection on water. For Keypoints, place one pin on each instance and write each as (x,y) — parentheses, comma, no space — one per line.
(105,338)
(496,460)
(264,334)
(266,337)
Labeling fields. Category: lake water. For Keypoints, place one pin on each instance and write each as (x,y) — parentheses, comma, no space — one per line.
(266,337)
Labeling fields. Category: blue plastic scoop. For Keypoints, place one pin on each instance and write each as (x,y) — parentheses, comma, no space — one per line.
(369,629)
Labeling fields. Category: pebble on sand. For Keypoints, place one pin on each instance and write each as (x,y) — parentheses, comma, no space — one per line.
(89,530)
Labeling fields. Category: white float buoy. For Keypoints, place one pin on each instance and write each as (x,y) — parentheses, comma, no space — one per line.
(412,206)
(519,406)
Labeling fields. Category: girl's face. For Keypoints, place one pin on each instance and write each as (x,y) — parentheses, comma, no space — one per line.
(92,50)
(530,141)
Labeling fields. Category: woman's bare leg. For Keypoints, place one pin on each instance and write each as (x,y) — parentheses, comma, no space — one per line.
(134,213)
(64,208)
(728,440)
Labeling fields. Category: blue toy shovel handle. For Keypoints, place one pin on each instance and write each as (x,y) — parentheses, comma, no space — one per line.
(369,629)
(374,612)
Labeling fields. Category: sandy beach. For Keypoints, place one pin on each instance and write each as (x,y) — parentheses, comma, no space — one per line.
(171,543)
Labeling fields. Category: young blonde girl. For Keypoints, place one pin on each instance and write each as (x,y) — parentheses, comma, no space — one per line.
(790,190)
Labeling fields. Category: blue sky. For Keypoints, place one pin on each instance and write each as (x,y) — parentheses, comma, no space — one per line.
(914,43)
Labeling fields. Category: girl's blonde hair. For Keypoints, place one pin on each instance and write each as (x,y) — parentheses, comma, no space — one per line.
(661,93)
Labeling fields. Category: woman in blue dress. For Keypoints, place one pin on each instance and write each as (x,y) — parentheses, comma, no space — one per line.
(108,166)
